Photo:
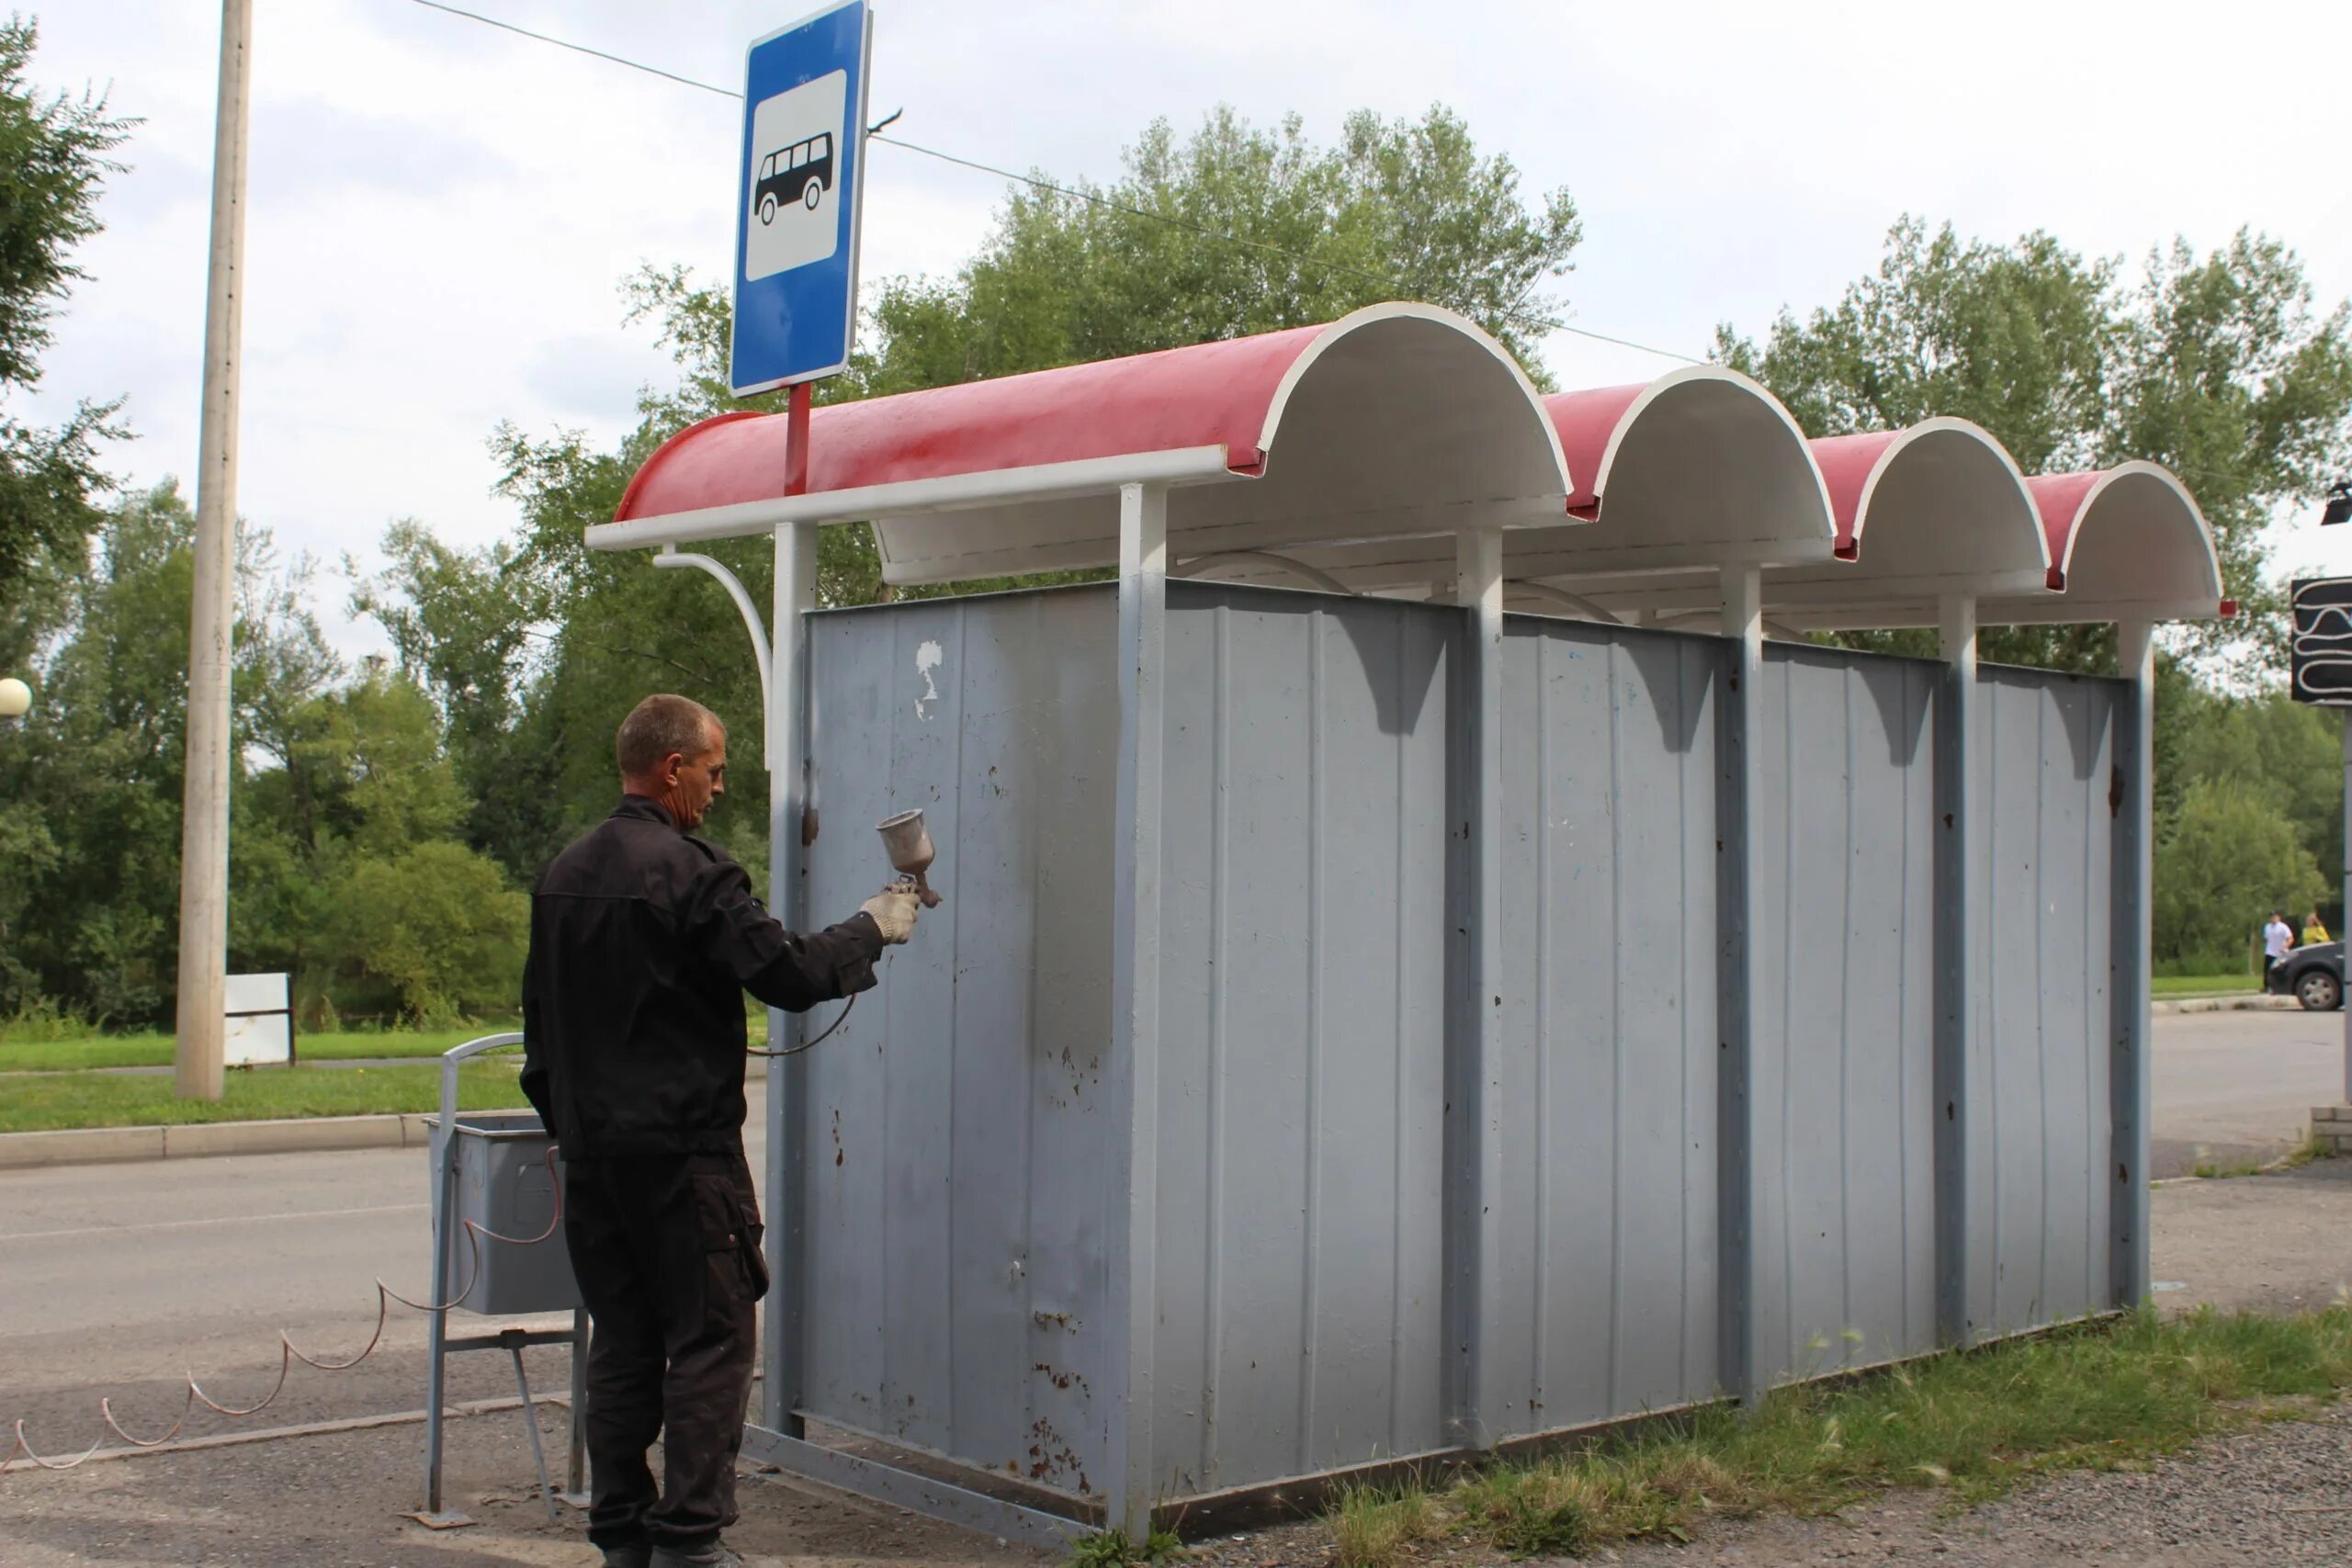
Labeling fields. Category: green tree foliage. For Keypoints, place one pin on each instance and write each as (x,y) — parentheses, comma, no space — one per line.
(52,161)
(2224,862)
(90,798)
(434,926)
(345,865)
(2217,365)
(534,649)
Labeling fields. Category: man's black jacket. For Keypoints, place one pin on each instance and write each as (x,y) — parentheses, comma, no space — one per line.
(643,940)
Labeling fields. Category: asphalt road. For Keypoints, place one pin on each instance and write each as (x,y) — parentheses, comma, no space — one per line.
(118,1278)
(2241,1085)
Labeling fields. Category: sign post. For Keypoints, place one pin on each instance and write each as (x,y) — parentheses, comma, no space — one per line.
(798,199)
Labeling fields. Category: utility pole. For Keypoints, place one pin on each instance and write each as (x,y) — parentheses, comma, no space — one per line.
(204,832)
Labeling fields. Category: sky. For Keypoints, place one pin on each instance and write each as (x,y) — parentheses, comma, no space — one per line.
(440,213)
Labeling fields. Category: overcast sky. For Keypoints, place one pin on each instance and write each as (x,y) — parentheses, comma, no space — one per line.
(440,212)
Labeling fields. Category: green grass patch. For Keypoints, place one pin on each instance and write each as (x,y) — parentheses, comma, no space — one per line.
(1111,1549)
(2203,985)
(1974,1425)
(104,1100)
(2301,1155)
(155,1050)
(1374,1527)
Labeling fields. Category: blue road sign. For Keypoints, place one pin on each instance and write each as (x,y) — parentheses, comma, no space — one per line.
(797,201)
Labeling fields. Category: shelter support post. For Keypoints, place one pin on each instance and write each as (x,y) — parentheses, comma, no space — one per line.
(1473,1136)
(789,807)
(1740,1356)
(1956,900)
(1132,1223)
(2129,1072)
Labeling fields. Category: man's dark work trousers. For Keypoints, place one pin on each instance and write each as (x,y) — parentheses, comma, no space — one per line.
(666,1249)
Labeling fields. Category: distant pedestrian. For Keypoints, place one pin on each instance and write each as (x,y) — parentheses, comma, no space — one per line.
(2278,940)
(2314,930)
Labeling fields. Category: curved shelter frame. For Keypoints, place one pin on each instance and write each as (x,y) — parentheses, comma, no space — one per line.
(1245,1116)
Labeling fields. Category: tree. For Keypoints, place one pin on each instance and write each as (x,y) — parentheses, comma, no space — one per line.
(90,806)
(2225,861)
(53,160)
(1232,231)
(2219,366)
(435,927)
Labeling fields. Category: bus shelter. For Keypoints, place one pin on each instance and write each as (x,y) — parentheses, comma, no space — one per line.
(1431,960)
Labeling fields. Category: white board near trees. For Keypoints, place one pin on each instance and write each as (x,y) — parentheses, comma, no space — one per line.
(259,1023)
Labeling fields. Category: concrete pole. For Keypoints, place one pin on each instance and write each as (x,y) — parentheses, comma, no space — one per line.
(204,837)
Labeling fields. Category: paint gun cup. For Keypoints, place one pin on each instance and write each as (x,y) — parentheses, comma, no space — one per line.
(908,843)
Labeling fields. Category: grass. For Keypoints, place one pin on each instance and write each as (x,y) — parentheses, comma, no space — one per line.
(155,1050)
(2202,985)
(1373,1526)
(103,1100)
(2301,1155)
(1111,1549)
(1972,1425)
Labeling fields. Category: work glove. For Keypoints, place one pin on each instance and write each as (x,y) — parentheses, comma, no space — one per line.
(894,910)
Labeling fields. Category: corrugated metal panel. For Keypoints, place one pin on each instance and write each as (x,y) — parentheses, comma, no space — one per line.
(1608,1199)
(957,1144)
(1844,1014)
(2039,1119)
(1301,986)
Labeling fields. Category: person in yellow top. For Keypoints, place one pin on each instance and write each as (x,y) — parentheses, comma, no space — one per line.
(2313,930)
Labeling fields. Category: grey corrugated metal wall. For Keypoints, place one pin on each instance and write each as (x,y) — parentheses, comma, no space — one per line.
(953,1134)
(2043,755)
(1608,1273)
(1844,1014)
(957,1148)
(1301,1035)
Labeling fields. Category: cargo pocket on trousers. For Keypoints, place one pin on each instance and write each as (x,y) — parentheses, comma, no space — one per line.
(731,1241)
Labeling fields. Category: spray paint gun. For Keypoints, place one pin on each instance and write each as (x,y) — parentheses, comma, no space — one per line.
(908,843)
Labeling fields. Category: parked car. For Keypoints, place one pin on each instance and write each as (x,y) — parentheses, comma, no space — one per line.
(2314,976)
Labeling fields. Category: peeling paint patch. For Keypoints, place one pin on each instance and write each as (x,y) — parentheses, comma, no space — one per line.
(928,658)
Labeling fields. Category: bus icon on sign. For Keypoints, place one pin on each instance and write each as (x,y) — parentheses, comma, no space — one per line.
(797,174)
(802,173)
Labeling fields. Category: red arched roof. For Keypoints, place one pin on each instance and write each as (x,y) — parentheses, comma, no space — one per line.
(1230,395)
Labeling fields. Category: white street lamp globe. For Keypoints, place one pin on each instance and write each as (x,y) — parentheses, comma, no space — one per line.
(16,698)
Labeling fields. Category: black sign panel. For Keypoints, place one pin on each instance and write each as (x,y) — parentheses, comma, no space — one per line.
(2321,658)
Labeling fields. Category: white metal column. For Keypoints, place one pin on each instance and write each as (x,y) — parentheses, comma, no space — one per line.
(789,778)
(1131,1223)
(2129,1070)
(1956,902)
(1473,1053)
(1741,1359)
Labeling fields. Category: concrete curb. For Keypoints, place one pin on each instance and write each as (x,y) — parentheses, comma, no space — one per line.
(2227,1004)
(107,1145)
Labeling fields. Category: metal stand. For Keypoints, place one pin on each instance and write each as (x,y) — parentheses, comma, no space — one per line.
(445,1165)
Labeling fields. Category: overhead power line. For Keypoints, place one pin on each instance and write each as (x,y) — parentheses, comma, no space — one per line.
(1039,183)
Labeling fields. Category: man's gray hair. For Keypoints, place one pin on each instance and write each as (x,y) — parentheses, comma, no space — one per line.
(660,725)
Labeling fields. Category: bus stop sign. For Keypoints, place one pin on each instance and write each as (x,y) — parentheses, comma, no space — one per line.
(797,199)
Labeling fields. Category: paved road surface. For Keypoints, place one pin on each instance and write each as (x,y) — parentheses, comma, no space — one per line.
(118,1277)
(2241,1085)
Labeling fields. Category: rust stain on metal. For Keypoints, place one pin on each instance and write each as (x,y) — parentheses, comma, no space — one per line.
(1062,1380)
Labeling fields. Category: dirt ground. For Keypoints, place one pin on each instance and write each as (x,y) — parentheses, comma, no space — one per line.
(2279,1244)
(337,1502)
